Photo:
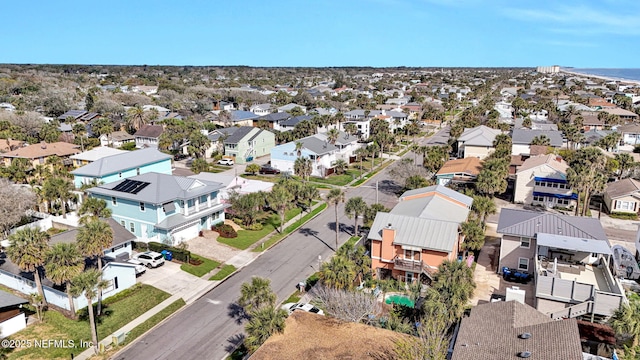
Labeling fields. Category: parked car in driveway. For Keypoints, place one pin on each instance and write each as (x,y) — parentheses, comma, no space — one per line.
(228,162)
(140,269)
(150,259)
(267,169)
(291,307)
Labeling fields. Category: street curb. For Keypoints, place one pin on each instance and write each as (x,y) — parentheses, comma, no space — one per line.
(289,234)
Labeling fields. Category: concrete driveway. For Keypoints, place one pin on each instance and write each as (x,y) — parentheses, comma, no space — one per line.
(171,279)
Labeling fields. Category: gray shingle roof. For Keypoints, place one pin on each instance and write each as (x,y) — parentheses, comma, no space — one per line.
(239,134)
(120,235)
(418,232)
(623,187)
(10,300)
(162,188)
(524,136)
(275,117)
(215,135)
(492,332)
(149,131)
(528,223)
(117,163)
(317,146)
(295,120)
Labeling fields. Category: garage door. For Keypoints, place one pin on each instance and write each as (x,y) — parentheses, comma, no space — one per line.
(186,234)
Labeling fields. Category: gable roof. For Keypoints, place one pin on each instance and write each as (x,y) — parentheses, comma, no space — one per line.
(116,163)
(215,134)
(295,120)
(492,330)
(149,131)
(479,136)
(554,161)
(273,117)
(623,187)
(239,134)
(98,153)
(119,136)
(317,145)
(529,223)
(162,188)
(416,231)
(343,138)
(439,189)
(470,165)
(241,115)
(524,136)
(44,150)
(120,234)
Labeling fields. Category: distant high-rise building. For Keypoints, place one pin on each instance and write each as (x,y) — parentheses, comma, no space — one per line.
(548,69)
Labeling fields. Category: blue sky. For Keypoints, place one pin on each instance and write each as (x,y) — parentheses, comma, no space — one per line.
(603,33)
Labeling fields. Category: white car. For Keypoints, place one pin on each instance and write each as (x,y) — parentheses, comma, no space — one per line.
(150,259)
(225,162)
(291,307)
(140,269)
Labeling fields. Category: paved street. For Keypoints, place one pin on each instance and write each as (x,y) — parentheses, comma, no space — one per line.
(207,329)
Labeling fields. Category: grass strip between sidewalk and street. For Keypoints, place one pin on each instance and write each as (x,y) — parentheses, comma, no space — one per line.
(199,270)
(289,229)
(225,271)
(367,176)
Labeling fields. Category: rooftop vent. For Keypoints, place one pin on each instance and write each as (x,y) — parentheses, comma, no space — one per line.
(524,354)
(525,336)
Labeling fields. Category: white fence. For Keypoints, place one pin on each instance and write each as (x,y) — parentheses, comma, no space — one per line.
(26,286)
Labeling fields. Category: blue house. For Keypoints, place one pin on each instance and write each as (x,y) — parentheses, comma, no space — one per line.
(161,207)
(121,166)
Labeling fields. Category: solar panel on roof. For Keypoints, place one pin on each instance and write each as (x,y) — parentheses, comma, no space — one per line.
(131,186)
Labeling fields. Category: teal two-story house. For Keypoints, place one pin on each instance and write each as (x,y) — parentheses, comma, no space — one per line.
(161,207)
(121,166)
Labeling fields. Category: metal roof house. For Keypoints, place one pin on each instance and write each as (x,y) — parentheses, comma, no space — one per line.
(477,142)
(569,257)
(418,234)
(161,207)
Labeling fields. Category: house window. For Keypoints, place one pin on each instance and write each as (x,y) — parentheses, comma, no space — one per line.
(525,243)
(538,198)
(138,171)
(625,205)
(41,160)
(203,199)
(523,264)
(141,206)
(132,227)
(411,255)
(114,202)
(123,223)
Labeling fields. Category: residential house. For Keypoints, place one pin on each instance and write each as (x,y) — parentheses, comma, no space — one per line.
(217,138)
(116,139)
(273,121)
(290,124)
(521,140)
(7,145)
(248,143)
(624,115)
(121,166)
(504,109)
(363,126)
(237,118)
(510,330)
(599,103)
(536,124)
(161,207)
(94,154)
(590,121)
(261,109)
(459,171)
(630,136)
(148,136)
(542,180)
(12,318)
(623,196)
(78,115)
(418,234)
(291,106)
(37,154)
(322,154)
(233,183)
(346,144)
(4,106)
(570,260)
(477,142)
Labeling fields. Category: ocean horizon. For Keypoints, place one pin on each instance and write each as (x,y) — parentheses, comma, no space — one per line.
(630,74)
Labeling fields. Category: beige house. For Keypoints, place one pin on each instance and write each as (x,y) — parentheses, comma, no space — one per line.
(477,142)
(623,196)
(542,180)
(569,258)
(37,154)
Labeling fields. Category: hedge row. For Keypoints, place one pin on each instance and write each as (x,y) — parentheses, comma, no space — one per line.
(178,254)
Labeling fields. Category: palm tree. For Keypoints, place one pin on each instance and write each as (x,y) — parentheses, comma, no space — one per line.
(351,128)
(625,162)
(454,283)
(92,209)
(89,282)
(256,295)
(482,207)
(27,249)
(280,200)
(264,322)
(332,135)
(92,239)
(355,207)
(338,273)
(473,232)
(541,140)
(335,197)
(340,166)
(59,190)
(299,146)
(626,320)
(357,255)
(135,117)
(303,167)
(63,263)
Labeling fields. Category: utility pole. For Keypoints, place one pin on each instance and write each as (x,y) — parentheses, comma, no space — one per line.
(377,193)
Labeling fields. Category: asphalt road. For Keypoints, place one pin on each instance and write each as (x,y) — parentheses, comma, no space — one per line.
(209,328)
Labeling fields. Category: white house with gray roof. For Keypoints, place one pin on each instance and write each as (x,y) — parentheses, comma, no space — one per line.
(521,140)
(161,207)
(477,142)
(123,165)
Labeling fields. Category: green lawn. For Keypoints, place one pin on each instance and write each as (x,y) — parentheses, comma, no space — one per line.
(223,273)
(338,180)
(118,313)
(199,270)
(294,298)
(247,238)
(352,240)
(289,229)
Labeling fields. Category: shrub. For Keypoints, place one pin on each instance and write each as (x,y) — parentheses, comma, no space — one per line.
(178,254)
(254,227)
(195,261)
(140,246)
(624,215)
(225,231)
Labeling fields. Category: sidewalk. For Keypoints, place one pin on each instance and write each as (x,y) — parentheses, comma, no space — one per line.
(239,261)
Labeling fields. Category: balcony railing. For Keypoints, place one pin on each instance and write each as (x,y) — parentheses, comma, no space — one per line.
(416,266)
